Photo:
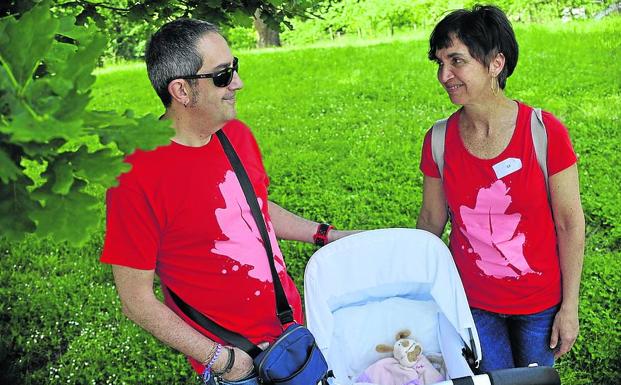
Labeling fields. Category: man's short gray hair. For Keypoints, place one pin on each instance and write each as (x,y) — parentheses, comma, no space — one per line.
(173,52)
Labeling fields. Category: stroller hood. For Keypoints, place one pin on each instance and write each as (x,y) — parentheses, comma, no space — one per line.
(360,289)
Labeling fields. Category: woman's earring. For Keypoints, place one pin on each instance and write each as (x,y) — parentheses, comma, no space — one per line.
(495,86)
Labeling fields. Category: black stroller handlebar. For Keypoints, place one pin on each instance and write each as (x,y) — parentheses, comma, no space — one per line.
(525,376)
(518,376)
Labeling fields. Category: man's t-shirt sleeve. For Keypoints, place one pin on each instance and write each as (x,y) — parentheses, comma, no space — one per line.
(427,165)
(561,153)
(132,234)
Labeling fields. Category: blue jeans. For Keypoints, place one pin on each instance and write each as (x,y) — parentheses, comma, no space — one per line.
(509,341)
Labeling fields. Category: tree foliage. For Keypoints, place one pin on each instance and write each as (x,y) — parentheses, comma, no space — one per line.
(55,155)
(372,18)
(230,12)
(130,23)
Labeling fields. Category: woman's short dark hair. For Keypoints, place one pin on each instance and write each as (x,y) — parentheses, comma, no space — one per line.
(485,30)
(173,52)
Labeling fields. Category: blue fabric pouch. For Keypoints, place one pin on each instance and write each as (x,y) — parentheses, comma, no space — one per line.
(293,359)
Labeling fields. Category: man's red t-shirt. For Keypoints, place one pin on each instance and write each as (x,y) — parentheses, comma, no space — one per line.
(181,211)
(503,237)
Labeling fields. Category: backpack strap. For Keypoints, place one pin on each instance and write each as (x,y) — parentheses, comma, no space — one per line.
(438,135)
(540,143)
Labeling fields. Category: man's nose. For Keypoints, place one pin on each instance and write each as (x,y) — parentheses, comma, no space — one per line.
(236,83)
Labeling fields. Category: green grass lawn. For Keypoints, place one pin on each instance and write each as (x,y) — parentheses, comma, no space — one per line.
(341,130)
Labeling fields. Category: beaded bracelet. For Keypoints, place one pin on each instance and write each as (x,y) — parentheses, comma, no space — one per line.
(212,351)
(207,372)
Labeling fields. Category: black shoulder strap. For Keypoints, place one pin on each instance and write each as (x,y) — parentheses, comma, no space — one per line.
(231,337)
(285,314)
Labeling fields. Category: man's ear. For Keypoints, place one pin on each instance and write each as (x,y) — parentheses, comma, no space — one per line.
(179,91)
(497,64)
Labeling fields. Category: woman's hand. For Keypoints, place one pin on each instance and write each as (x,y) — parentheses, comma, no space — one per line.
(564,330)
(569,223)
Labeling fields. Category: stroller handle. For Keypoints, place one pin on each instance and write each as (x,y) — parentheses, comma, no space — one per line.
(518,376)
(526,376)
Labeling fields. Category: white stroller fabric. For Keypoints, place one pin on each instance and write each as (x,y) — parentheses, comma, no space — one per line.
(362,289)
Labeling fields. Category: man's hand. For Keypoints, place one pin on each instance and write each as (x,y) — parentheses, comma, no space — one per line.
(564,330)
(242,367)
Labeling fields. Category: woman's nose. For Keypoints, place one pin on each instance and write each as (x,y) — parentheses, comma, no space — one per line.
(444,74)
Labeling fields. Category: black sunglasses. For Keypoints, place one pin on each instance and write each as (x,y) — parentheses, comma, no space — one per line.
(221,78)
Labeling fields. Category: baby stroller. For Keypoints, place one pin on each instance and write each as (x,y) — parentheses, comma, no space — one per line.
(360,290)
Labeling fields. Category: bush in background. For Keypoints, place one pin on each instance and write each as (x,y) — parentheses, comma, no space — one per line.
(376,18)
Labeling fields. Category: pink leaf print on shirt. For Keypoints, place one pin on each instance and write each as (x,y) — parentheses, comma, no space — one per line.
(244,243)
(492,233)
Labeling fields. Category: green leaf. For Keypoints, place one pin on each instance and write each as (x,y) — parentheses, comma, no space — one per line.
(63,177)
(241,19)
(34,170)
(15,206)
(99,20)
(25,128)
(69,217)
(100,167)
(137,12)
(72,107)
(56,61)
(81,63)
(276,3)
(146,133)
(214,3)
(41,151)
(8,170)
(35,30)
(42,98)
(45,86)
(67,27)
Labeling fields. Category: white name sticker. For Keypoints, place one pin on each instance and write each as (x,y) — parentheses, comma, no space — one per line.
(506,167)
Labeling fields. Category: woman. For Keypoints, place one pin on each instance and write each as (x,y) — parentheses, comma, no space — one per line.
(518,245)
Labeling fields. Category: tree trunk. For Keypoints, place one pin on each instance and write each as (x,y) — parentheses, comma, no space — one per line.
(266,37)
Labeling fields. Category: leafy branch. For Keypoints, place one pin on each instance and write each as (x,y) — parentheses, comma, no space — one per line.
(56,157)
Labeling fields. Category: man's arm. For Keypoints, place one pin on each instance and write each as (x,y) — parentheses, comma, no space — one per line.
(135,288)
(433,213)
(569,223)
(295,228)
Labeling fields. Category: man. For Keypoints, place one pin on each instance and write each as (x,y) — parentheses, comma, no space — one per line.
(180,213)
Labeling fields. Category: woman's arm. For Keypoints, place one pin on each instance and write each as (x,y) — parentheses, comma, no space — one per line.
(569,223)
(433,213)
